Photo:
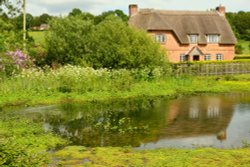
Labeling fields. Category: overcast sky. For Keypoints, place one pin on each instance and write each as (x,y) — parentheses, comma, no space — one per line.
(63,7)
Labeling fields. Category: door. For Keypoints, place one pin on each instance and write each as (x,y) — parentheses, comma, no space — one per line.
(196,58)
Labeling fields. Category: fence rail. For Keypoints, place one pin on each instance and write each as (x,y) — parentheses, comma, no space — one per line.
(207,69)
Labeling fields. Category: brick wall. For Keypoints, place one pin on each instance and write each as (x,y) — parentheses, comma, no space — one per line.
(175,49)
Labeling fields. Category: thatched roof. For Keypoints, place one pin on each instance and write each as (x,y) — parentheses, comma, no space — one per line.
(183,23)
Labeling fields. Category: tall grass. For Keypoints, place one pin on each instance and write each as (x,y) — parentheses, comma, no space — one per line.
(49,86)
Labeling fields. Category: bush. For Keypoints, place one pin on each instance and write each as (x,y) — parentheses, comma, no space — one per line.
(238,49)
(67,40)
(115,45)
(110,44)
(13,62)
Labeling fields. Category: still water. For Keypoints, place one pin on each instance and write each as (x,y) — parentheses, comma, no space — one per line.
(218,121)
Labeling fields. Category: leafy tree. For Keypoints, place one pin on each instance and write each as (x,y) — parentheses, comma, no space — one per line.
(110,44)
(44,18)
(67,40)
(113,44)
(75,12)
(11,7)
(240,23)
(117,13)
(18,21)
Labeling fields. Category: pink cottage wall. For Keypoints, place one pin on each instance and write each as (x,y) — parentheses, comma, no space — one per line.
(175,49)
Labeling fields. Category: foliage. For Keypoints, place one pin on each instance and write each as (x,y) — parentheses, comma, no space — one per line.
(242,57)
(13,62)
(115,156)
(245,45)
(75,12)
(98,19)
(10,39)
(12,7)
(67,40)
(23,143)
(34,86)
(238,49)
(240,23)
(72,40)
(122,47)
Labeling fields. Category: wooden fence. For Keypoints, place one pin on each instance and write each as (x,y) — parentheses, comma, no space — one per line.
(207,69)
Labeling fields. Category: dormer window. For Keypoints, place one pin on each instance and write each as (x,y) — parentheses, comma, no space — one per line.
(193,38)
(212,38)
(161,38)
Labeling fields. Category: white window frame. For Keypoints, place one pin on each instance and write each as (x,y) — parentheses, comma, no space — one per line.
(207,57)
(193,38)
(183,58)
(161,38)
(213,38)
(219,57)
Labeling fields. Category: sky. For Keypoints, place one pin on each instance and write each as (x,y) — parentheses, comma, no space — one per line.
(63,7)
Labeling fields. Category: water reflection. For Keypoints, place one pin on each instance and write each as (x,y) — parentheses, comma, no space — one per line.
(151,123)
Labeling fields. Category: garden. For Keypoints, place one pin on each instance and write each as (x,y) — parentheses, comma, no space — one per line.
(90,59)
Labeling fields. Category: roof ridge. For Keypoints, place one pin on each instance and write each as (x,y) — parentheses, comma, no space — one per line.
(177,12)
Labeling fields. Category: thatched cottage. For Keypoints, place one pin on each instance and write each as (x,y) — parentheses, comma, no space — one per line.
(188,35)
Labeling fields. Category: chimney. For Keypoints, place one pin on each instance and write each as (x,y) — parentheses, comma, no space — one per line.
(133,9)
(221,10)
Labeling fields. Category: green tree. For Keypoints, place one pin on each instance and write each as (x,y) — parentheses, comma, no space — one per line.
(75,12)
(45,18)
(110,44)
(240,23)
(117,13)
(67,40)
(9,7)
(113,44)
(18,21)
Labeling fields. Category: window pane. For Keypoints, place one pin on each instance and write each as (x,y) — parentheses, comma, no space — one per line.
(207,57)
(193,38)
(219,57)
(213,38)
(160,38)
(183,58)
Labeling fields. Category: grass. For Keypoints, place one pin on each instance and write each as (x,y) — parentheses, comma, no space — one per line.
(22,141)
(112,157)
(245,45)
(33,87)
(38,36)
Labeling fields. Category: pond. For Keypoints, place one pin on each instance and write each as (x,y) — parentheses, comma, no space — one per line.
(221,121)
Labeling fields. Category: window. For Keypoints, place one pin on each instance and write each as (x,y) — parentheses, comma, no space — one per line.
(207,57)
(161,38)
(219,57)
(183,58)
(193,38)
(212,38)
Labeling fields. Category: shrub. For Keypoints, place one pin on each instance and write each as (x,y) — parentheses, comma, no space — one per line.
(113,44)
(110,44)
(238,49)
(13,62)
(67,40)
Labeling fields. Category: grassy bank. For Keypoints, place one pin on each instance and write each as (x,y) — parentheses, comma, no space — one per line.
(33,87)
(24,142)
(81,156)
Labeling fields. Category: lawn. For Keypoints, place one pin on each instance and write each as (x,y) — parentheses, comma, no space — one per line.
(38,36)
(245,45)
